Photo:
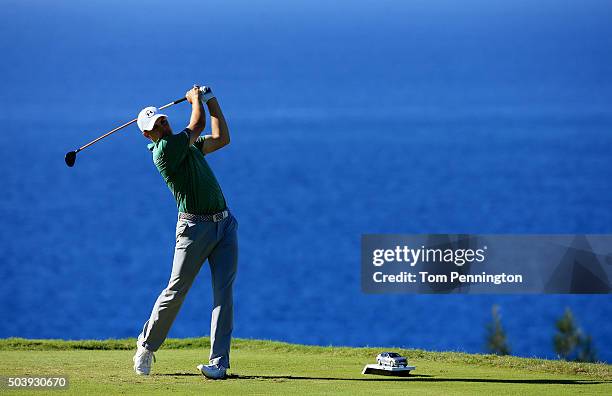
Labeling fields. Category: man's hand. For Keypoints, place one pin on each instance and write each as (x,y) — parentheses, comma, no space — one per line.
(197,121)
(193,95)
(207,94)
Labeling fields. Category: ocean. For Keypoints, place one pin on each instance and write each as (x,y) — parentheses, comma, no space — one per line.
(346,118)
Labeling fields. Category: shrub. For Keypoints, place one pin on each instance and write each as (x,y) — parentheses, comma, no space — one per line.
(496,336)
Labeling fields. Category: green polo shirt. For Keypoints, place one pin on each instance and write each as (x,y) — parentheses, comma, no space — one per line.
(187,174)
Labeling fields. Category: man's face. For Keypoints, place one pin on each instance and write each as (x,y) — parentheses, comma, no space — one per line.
(160,129)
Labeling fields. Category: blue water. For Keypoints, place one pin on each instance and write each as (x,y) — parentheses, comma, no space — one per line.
(346,118)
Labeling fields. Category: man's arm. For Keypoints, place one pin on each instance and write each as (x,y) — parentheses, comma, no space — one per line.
(198,116)
(219,136)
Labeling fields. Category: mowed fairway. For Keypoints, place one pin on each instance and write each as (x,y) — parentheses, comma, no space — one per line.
(265,367)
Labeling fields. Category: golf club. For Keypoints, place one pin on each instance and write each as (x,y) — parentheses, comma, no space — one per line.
(70,157)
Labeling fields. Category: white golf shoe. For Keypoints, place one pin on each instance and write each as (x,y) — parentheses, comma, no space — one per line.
(143,359)
(212,371)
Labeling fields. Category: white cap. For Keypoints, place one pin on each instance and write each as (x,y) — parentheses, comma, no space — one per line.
(147,118)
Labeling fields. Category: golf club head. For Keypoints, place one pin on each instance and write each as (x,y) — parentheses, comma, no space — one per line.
(70,158)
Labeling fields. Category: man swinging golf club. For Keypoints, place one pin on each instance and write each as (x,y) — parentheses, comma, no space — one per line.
(205,228)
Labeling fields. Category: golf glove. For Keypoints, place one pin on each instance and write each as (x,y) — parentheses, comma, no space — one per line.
(207,94)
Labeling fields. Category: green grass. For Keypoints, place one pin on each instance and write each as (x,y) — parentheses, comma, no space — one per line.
(267,367)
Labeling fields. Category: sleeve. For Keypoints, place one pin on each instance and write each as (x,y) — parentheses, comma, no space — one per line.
(199,143)
(174,150)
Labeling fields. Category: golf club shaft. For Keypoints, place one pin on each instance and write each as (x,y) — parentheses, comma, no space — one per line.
(126,124)
(106,134)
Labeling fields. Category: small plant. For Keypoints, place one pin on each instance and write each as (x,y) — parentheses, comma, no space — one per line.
(587,350)
(496,336)
(570,343)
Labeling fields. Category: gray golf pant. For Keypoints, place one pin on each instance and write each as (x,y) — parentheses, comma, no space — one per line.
(196,242)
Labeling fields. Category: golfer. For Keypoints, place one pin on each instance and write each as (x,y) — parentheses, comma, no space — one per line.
(205,228)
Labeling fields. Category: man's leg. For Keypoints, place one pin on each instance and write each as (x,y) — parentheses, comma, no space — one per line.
(189,254)
(223,265)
